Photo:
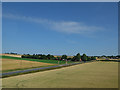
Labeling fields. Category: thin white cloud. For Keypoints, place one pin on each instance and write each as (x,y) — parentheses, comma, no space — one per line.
(74,27)
(70,27)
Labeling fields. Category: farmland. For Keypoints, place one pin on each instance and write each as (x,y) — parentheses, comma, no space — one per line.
(36,60)
(89,75)
(12,55)
(16,63)
(12,64)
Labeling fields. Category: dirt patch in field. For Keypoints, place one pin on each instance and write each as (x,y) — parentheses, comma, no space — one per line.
(9,64)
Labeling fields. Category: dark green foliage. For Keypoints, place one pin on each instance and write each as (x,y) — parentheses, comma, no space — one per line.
(64,57)
(118,56)
(69,58)
(38,56)
(11,53)
(50,56)
(77,57)
(74,58)
(43,57)
(93,58)
(84,57)
(88,58)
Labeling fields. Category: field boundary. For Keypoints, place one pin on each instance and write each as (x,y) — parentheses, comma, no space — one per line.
(11,70)
(36,60)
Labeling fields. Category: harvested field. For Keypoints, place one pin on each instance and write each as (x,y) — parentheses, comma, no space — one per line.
(89,75)
(12,64)
(11,55)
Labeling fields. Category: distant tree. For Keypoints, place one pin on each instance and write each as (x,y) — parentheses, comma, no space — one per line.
(84,57)
(52,57)
(7,53)
(23,56)
(74,58)
(118,56)
(88,58)
(64,57)
(103,56)
(13,53)
(78,57)
(93,58)
(43,57)
(48,56)
(69,58)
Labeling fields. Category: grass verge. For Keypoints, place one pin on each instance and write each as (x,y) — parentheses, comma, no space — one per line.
(5,71)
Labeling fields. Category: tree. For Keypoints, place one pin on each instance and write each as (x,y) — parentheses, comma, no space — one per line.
(78,57)
(93,58)
(52,57)
(103,56)
(73,59)
(88,58)
(48,56)
(84,57)
(64,56)
(118,56)
(69,58)
(43,57)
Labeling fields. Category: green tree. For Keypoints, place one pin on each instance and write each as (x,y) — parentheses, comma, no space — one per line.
(43,57)
(73,59)
(78,57)
(48,56)
(64,56)
(88,58)
(69,58)
(84,57)
(93,58)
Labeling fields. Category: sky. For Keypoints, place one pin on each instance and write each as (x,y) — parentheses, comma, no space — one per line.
(60,28)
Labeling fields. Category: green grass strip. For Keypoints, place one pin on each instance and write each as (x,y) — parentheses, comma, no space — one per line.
(37,60)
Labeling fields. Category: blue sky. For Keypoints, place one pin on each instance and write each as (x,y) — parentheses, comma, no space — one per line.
(60,28)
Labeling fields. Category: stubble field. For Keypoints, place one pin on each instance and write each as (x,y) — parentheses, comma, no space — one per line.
(14,64)
(88,75)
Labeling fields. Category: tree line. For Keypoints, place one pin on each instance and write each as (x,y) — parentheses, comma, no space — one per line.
(77,57)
